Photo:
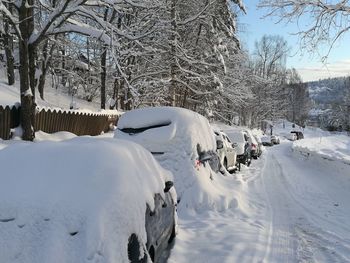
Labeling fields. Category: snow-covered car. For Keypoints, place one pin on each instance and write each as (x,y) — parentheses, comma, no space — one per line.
(243,148)
(266,140)
(226,151)
(292,137)
(260,145)
(85,200)
(181,140)
(254,147)
(275,139)
(298,134)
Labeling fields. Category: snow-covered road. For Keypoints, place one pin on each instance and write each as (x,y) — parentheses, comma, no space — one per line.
(291,208)
(309,208)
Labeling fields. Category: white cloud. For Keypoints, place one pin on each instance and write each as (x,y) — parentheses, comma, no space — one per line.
(320,71)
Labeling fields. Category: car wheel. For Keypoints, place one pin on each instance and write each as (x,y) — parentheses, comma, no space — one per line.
(246,160)
(225,164)
(173,234)
(134,250)
(151,253)
(249,160)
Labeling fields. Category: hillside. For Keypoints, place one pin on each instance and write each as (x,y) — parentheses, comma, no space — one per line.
(328,91)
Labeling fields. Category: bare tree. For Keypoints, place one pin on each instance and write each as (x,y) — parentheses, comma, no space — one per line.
(7,39)
(271,54)
(269,66)
(330,19)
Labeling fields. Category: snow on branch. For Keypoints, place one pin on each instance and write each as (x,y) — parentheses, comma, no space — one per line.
(9,16)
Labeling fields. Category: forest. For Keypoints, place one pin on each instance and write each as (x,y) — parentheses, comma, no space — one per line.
(130,54)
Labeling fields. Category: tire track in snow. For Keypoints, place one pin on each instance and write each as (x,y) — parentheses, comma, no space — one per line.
(281,245)
(293,237)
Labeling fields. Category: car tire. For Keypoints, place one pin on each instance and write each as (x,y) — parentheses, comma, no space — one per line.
(225,164)
(173,234)
(134,250)
(249,160)
(151,253)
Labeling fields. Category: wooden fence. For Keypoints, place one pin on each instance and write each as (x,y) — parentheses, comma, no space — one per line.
(51,121)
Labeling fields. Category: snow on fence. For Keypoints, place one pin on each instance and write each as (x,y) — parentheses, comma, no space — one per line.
(50,121)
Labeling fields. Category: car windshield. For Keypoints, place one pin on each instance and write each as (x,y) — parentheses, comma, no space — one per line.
(142,129)
(236,136)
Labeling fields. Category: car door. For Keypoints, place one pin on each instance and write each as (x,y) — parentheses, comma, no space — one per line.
(230,151)
(159,224)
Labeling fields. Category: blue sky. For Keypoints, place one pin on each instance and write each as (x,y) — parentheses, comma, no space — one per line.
(309,66)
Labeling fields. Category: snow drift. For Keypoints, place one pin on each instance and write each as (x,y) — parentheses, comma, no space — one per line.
(75,201)
(172,135)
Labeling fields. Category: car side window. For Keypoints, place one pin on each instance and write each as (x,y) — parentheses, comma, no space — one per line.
(246,137)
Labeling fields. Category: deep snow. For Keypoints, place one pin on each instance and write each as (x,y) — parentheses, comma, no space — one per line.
(290,208)
(290,205)
(76,200)
(175,147)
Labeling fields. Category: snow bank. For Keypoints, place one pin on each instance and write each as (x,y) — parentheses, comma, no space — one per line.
(173,139)
(75,201)
(331,147)
(57,136)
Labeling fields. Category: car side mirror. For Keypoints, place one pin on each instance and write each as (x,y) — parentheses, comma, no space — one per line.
(204,157)
(219,144)
(168,185)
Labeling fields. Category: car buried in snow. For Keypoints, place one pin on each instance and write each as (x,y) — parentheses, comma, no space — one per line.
(266,140)
(243,149)
(275,139)
(226,151)
(298,134)
(181,140)
(254,146)
(88,200)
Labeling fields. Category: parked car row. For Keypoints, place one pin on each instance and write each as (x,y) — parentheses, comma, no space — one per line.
(238,142)
(274,139)
(154,152)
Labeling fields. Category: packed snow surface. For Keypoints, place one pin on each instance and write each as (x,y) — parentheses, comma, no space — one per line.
(77,200)
(290,208)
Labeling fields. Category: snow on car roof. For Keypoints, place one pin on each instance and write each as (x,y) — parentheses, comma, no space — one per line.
(236,135)
(164,127)
(76,200)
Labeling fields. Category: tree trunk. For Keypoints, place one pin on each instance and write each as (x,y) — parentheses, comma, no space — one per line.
(8,45)
(173,66)
(47,56)
(32,69)
(63,68)
(116,93)
(27,99)
(103,77)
